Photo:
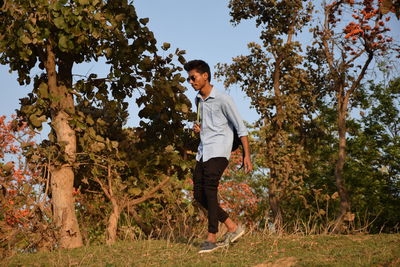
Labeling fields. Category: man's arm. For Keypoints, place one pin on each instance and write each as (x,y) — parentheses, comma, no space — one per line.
(230,110)
(248,166)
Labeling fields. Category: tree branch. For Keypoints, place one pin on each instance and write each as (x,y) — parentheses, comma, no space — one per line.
(150,194)
(103,187)
(360,76)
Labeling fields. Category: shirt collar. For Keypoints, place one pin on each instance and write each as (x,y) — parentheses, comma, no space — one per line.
(211,95)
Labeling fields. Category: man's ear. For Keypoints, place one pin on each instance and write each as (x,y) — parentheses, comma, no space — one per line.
(205,75)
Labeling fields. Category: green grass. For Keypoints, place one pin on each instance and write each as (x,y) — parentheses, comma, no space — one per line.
(252,250)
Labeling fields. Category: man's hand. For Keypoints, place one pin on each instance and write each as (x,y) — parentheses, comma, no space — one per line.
(248,166)
(196,128)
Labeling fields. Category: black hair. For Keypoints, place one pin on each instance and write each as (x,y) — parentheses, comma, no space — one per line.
(198,65)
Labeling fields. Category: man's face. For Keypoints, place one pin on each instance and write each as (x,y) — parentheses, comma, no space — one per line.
(197,80)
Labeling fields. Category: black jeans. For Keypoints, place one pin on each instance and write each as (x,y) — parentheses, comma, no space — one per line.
(206,178)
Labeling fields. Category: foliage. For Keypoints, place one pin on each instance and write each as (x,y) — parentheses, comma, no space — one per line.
(85,139)
(373,165)
(348,52)
(141,156)
(271,75)
(25,219)
(372,152)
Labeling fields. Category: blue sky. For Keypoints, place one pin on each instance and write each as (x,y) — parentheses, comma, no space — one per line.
(202,28)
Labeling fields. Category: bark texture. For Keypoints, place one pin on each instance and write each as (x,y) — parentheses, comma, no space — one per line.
(340,184)
(112,225)
(62,176)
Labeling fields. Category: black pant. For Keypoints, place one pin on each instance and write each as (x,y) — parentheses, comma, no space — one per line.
(206,178)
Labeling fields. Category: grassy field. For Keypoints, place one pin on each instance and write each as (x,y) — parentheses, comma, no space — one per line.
(252,250)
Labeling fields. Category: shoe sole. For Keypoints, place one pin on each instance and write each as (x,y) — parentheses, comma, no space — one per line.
(207,251)
(222,246)
(233,240)
(238,236)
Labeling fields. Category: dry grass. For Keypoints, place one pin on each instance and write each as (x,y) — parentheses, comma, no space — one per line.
(253,250)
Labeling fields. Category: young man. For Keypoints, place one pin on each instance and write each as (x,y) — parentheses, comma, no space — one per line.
(218,117)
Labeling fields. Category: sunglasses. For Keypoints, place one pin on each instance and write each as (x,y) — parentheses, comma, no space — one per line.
(191,78)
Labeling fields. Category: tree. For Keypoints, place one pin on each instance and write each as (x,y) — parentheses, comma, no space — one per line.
(373,168)
(349,52)
(55,36)
(272,77)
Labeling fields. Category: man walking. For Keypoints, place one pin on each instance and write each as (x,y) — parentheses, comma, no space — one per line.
(218,118)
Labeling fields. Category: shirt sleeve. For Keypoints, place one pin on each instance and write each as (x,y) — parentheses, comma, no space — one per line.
(230,111)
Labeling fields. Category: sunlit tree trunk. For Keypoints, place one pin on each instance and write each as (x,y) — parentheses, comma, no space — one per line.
(112,225)
(62,177)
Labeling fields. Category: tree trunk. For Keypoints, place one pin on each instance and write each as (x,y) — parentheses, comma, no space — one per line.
(275,206)
(62,176)
(273,199)
(344,197)
(63,207)
(112,226)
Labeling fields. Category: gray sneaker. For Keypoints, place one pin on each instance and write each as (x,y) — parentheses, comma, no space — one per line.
(208,247)
(231,237)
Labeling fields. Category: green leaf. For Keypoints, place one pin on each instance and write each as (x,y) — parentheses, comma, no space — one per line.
(182,60)
(25,39)
(30,28)
(60,23)
(97,147)
(43,90)
(92,132)
(84,2)
(166,46)
(114,144)
(135,191)
(99,138)
(37,121)
(108,52)
(119,17)
(80,126)
(144,21)
(95,34)
(27,109)
(89,120)
(190,210)
(63,43)
(97,16)
(184,108)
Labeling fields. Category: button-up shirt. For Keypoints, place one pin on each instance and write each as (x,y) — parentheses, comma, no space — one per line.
(218,117)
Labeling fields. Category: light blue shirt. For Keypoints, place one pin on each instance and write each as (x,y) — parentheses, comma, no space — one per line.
(218,116)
